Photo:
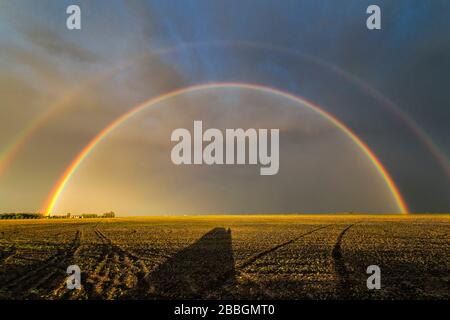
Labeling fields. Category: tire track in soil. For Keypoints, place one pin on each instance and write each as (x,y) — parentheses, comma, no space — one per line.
(45,275)
(343,286)
(227,275)
(109,277)
(94,283)
(113,271)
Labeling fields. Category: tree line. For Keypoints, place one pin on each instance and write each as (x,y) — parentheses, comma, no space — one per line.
(24,215)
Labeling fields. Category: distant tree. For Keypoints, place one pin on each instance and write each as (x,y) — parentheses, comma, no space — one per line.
(110,214)
(21,216)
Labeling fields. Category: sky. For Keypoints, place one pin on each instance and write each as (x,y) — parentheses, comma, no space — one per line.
(59,88)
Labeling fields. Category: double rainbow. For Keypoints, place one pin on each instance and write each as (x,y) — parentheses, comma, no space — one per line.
(11,150)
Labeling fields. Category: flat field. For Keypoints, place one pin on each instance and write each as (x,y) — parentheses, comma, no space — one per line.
(227,257)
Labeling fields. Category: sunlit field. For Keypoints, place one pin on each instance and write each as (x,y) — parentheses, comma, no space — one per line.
(227,257)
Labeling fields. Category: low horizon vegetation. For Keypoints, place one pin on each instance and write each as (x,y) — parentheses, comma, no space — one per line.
(25,215)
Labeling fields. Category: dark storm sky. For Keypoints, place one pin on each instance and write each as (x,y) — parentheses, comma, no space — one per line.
(320,50)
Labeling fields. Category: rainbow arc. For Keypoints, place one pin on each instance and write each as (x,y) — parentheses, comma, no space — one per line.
(57,190)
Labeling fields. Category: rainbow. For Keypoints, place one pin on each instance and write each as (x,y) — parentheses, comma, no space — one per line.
(11,150)
(384,101)
(59,186)
(8,154)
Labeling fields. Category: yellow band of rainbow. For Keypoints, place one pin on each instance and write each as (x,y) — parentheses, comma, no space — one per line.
(58,188)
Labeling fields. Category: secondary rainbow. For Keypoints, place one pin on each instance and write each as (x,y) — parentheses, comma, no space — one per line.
(58,188)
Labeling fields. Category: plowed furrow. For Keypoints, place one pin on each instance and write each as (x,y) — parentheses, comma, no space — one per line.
(46,274)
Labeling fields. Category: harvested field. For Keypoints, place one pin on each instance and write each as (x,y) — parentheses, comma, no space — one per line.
(227,257)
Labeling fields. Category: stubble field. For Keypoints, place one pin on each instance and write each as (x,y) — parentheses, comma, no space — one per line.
(227,257)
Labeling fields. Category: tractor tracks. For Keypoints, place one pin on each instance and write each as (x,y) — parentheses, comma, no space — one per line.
(44,275)
(261,254)
(343,286)
(228,275)
(115,272)
(118,271)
